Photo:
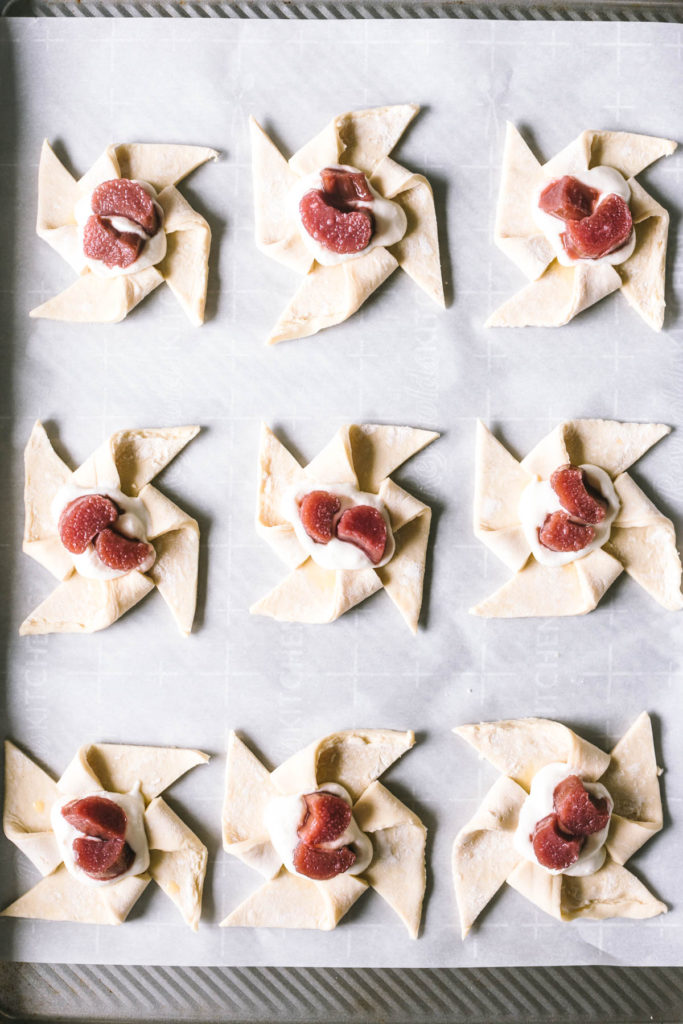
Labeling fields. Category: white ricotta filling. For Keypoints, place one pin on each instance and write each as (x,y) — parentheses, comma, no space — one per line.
(539,500)
(132,523)
(390,219)
(284,814)
(539,804)
(136,837)
(336,554)
(152,252)
(605,180)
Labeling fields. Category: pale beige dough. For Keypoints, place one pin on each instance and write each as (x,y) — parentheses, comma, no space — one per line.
(129,459)
(353,759)
(93,299)
(642,540)
(362,456)
(556,293)
(328,295)
(484,856)
(177,857)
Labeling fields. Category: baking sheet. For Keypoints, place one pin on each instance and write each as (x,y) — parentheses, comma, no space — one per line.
(84,84)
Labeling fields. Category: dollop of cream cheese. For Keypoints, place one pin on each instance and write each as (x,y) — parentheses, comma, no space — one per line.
(132,523)
(607,181)
(284,814)
(539,500)
(151,253)
(134,807)
(336,554)
(539,804)
(390,219)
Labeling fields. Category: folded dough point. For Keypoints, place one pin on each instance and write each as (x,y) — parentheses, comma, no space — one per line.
(520,747)
(397,870)
(542,590)
(483,852)
(99,300)
(178,860)
(314,595)
(81,605)
(289,901)
(559,295)
(61,897)
(329,295)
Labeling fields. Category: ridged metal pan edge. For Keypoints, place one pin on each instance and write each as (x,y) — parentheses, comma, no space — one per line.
(594,995)
(536,10)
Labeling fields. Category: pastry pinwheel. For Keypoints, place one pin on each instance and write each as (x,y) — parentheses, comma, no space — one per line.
(124,228)
(580,227)
(107,533)
(321,829)
(554,833)
(345,215)
(102,832)
(568,519)
(342,526)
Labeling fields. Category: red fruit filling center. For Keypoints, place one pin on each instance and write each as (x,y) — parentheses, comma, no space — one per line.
(572,528)
(361,525)
(102,851)
(326,819)
(90,518)
(578,812)
(558,838)
(593,229)
(119,197)
(331,215)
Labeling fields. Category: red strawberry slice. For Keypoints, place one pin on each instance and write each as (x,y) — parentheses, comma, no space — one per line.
(561,533)
(113,248)
(122,197)
(553,849)
(122,553)
(365,527)
(103,859)
(603,232)
(578,812)
(83,518)
(96,816)
(577,496)
(327,818)
(567,198)
(322,864)
(317,511)
(339,231)
(343,188)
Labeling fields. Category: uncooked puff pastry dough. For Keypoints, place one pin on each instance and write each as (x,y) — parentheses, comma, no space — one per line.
(185,267)
(329,295)
(132,458)
(556,293)
(362,456)
(484,856)
(354,759)
(642,540)
(177,857)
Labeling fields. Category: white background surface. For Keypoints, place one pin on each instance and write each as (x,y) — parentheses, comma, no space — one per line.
(86,83)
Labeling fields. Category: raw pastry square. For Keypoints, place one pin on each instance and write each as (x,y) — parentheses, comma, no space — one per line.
(556,294)
(362,456)
(484,856)
(129,460)
(185,267)
(642,540)
(177,856)
(354,759)
(328,295)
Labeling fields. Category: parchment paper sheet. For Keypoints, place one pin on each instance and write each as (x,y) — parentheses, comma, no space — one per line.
(85,83)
